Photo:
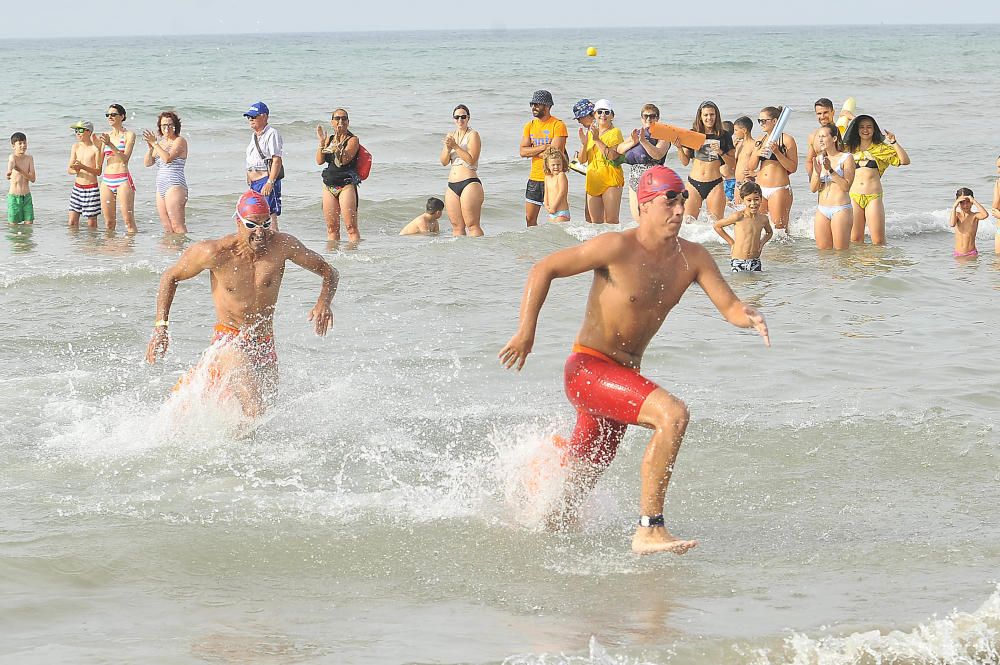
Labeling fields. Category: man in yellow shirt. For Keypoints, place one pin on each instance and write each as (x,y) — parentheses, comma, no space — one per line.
(543,130)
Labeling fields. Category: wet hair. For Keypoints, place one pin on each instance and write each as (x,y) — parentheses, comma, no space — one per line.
(744,122)
(18,136)
(650,108)
(852,137)
(173,118)
(699,126)
(772,111)
(434,204)
(964,191)
(119,108)
(748,188)
(824,102)
(835,134)
(554,153)
(460,106)
(727,126)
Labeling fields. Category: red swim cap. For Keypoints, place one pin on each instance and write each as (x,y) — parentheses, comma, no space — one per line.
(252,203)
(658,180)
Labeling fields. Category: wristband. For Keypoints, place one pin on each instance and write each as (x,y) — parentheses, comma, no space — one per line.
(162,323)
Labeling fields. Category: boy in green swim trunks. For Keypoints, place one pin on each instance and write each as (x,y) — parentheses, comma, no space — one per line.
(20,172)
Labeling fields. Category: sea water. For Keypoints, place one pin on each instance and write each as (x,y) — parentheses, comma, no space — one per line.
(842,484)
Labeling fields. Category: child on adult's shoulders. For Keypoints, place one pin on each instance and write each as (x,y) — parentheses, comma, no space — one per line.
(428,221)
(966,222)
(748,224)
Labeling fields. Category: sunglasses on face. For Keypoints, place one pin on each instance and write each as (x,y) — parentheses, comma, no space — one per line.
(79,131)
(461,116)
(602,112)
(762,121)
(111,115)
(339,118)
(649,116)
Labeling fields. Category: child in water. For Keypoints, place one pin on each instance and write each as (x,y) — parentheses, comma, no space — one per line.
(20,172)
(427,222)
(966,222)
(748,224)
(556,185)
(743,140)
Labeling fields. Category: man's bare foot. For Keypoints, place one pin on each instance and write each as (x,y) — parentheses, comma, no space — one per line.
(652,540)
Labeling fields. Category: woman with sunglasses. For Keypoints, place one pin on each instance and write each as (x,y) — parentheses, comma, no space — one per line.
(169,153)
(873,152)
(705,182)
(604,180)
(642,152)
(464,197)
(773,170)
(832,175)
(339,151)
(116,181)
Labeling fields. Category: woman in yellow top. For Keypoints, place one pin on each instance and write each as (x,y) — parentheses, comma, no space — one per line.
(604,172)
(873,152)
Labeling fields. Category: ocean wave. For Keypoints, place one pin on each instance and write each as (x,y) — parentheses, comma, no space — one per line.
(9,278)
(961,638)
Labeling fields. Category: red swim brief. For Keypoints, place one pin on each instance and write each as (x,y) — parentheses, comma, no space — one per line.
(607,397)
(259,351)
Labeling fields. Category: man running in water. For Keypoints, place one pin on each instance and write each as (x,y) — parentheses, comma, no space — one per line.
(639,275)
(246,269)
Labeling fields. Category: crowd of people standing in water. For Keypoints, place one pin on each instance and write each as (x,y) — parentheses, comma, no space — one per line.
(845,161)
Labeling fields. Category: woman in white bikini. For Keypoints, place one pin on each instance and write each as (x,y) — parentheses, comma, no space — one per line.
(116,181)
(773,160)
(832,175)
(463,200)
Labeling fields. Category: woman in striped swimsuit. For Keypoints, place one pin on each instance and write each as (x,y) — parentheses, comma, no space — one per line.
(169,153)
(116,181)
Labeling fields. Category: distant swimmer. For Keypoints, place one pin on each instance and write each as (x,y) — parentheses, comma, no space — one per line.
(965,221)
(639,275)
(748,225)
(246,269)
(542,131)
(429,221)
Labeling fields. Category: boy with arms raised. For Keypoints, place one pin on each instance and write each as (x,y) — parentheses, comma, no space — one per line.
(746,242)
(20,172)
(639,275)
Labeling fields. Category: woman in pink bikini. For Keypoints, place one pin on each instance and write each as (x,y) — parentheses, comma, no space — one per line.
(116,181)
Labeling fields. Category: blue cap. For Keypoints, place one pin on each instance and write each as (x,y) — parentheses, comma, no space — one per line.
(256,110)
(583,108)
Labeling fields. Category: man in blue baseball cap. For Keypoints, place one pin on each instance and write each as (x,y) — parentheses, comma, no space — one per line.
(264,156)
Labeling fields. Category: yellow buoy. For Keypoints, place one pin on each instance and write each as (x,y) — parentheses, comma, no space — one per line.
(591,51)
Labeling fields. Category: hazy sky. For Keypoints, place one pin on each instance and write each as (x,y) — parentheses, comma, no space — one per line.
(54,18)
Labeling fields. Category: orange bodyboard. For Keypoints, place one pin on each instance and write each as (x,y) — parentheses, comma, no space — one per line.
(689,138)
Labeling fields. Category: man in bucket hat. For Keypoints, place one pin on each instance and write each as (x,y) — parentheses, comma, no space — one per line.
(543,130)
(639,275)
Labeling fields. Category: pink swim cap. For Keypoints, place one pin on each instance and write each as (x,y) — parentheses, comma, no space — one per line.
(658,180)
(252,203)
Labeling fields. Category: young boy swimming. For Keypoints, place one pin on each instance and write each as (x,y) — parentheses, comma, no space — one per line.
(556,185)
(748,224)
(965,222)
(428,221)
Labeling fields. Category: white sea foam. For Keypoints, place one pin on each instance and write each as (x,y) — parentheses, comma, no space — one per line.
(597,655)
(961,638)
